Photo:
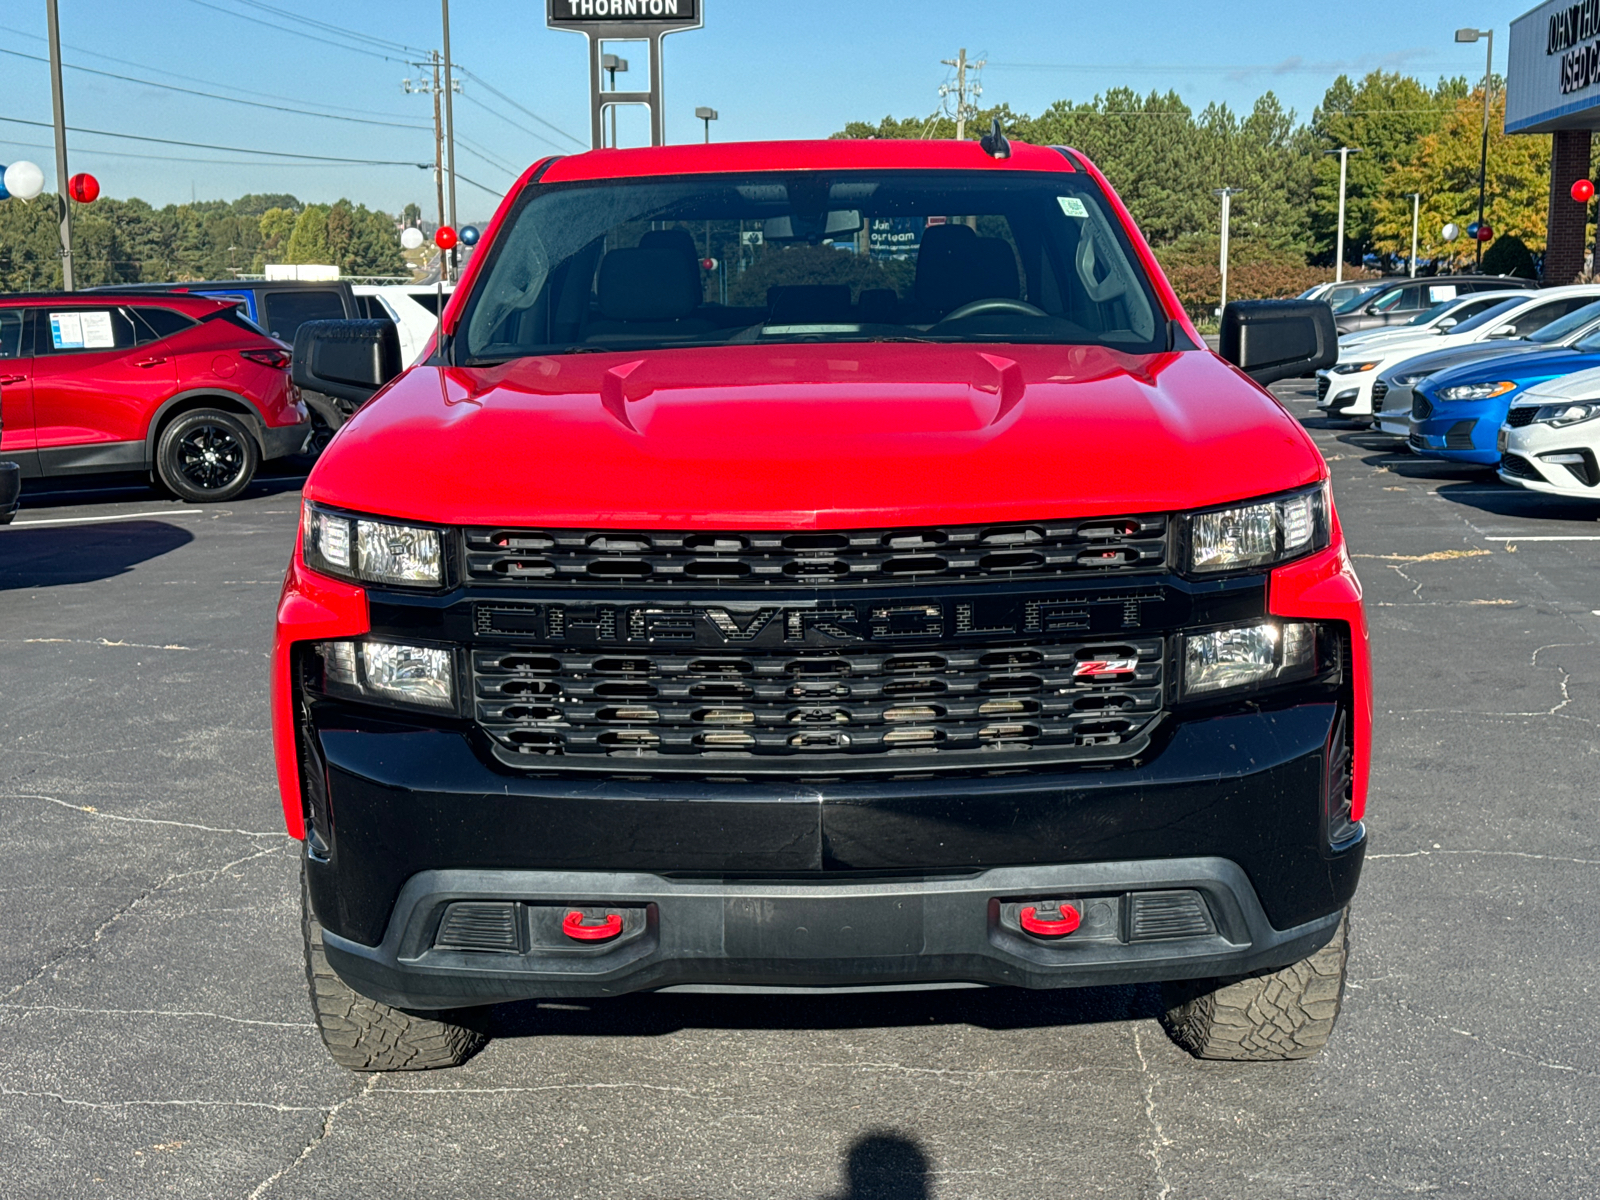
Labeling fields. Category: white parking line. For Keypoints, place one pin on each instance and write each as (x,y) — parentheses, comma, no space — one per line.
(167,512)
(1512,537)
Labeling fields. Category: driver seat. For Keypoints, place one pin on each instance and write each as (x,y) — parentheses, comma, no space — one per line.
(955,267)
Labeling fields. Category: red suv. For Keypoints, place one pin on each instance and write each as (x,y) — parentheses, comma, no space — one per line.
(184,386)
(928,608)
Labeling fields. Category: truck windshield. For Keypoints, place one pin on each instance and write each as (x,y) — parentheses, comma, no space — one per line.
(705,260)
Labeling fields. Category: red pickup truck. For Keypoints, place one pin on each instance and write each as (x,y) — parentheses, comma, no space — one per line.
(943,614)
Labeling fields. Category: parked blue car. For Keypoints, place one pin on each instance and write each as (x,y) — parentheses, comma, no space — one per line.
(1457,413)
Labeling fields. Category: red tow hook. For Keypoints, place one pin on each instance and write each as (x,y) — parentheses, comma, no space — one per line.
(1049,927)
(572,925)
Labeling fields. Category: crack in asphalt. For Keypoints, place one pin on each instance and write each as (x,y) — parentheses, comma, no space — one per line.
(90,810)
(183,1014)
(329,1116)
(1159,1140)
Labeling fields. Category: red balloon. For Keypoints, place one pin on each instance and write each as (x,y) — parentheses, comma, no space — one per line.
(83,188)
(444,237)
(1583,191)
(1485,233)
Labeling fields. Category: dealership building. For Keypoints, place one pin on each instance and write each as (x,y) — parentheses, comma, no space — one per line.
(1553,86)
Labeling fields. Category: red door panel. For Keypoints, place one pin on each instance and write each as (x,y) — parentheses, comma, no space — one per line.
(90,382)
(16,384)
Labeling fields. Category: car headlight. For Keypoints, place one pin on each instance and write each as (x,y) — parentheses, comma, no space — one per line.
(1477,391)
(1410,379)
(389,673)
(1253,535)
(1561,415)
(1221,660)
(1354,368)
(368,550)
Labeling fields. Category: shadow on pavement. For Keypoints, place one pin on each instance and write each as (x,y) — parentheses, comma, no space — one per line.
(60,555)
(660,1014)
(885,1166)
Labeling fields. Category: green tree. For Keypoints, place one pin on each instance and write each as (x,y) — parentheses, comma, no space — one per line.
(309,241)
(275,227)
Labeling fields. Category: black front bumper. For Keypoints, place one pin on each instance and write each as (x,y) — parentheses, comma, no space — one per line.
(1231,804)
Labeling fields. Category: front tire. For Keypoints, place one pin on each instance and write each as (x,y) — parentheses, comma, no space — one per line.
(367,1035)
(1272,1017)
(206,455)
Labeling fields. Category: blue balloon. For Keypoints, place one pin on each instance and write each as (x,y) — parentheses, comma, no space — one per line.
(469,235)
(1472,230)
(4,195)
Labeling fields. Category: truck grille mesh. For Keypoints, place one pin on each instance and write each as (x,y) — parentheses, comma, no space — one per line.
(820,712)
(833,558)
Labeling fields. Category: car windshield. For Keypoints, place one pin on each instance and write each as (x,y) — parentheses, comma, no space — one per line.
(1489,316)
(850,256)
(1439,311)
(1348,301)
(1562,329)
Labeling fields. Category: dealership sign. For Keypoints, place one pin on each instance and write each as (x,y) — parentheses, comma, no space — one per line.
(624,12)
(1553,71)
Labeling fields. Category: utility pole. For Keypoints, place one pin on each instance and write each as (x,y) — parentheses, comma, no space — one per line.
(959,62)
(1472,35)
(1344,153)
(1227,194)
(438,137)
(1416,209)
(59,108)
(450,127)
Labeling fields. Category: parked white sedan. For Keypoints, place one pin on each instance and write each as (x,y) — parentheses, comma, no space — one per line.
(1441,318)
(1551,439)
(1345,390)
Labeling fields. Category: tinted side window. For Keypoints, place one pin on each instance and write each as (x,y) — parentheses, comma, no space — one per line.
(153,324)
(287,311)
(1540,315)
(82,330)
(11,332)
(1412,299)
(1387,302)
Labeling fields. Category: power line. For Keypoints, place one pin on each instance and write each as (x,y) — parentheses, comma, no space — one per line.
(494,91)
(533,133)
(493,160)
(335,29)
(281,28)
(220,162)
(305,112)
(139,137)
(497,193)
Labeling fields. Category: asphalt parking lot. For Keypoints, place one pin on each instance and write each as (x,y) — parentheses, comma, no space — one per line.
(155,1038)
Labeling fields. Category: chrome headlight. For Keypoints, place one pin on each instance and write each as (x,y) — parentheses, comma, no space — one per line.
(1355,368)
(390,673)
(367,550)
(1220,660)
(1409,379)
(1259,534)
(1477,391)
(1561,415)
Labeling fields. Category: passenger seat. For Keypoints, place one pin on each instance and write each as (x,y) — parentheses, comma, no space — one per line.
(646,291)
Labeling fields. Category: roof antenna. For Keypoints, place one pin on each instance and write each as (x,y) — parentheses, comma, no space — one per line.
(994,142)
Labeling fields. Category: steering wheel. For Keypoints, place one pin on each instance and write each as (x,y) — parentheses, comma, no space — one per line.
(994,304)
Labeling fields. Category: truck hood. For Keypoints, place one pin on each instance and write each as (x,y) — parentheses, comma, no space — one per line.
(814,436)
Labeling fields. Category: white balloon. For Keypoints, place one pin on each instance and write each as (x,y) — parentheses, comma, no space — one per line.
(1451,231)
(411,237)
(24,180)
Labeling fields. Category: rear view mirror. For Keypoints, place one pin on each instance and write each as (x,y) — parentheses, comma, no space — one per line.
(347,359)
(1278,339)
(1503,331)
(1448,323)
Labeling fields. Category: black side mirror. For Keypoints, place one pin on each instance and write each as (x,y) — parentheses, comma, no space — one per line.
(1278,339)
(347,359)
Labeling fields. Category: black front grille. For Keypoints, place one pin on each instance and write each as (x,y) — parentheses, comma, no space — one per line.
(1322,388)
(1380,389)
(1421,406)
(820,711)
(1518,417)
(622,558)
(1514,464)
(1459,436)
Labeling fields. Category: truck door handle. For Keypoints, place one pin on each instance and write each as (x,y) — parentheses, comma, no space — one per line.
(13,379)
(149,362)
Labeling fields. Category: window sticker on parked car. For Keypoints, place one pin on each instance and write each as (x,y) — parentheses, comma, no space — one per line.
(81,331)
(1440,292)
(1072,206)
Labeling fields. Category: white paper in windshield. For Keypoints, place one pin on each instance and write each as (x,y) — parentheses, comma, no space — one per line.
(1072,206)
(1440,292)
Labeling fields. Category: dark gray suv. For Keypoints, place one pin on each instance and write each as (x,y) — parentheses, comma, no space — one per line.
(1403,299)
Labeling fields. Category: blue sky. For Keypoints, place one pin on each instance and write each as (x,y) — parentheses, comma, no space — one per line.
(796,69)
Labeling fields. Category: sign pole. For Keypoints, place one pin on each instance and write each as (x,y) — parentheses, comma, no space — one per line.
(58,105)
(624,21)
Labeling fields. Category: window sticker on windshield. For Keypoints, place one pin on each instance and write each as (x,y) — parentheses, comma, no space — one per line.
(1440,292)
(1072,206)
(81,331)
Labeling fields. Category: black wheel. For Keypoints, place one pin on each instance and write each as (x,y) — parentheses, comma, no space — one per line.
(1272,1017)
(206,455)
(366,1035)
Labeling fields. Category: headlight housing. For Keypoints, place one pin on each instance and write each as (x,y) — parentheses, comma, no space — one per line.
(1409,379)
(1476,391)
(1562,415)
(1261,533)
(369,550)
(1355,368)
(382,672)
(1246,656)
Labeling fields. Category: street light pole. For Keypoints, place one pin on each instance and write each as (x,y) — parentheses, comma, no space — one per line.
(611,64)
(1416,208)
(1344,153)
(1472,35)
(1227,194)
(707,115)
(57,104)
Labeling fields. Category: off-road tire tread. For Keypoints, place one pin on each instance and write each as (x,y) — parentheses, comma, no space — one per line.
(1271,1017)
(366,1035)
